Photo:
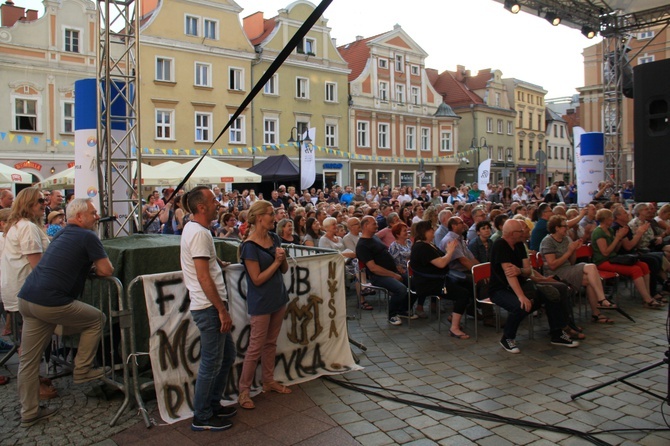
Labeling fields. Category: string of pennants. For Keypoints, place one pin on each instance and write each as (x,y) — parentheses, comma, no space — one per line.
(22,139)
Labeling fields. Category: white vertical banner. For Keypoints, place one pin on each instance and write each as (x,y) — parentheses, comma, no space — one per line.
(484,174)
(308,163)
(590,165)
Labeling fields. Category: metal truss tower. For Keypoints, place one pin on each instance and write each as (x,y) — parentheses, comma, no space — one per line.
(119,157)
(614,55)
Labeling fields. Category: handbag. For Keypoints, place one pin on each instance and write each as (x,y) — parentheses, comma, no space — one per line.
(624,259)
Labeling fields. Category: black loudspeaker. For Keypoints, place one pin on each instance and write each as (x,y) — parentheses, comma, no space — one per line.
(652,131)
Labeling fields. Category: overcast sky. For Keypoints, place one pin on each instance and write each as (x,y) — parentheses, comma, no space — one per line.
(476,33)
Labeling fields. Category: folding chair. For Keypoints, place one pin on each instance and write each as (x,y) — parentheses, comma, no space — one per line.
(369,285)
(481,275)
(410,277)
(16,321)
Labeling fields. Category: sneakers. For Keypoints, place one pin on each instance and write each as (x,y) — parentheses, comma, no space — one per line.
(395,320)
(509,345)
(215,424)
(224,411)
(564,340)
(90,375)
(43,413)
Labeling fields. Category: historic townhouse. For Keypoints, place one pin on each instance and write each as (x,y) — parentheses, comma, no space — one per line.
(40,59)
(528,101)
(645,46)
(308,91)
(195,71)
(560,154)
(487,121)
(398,123)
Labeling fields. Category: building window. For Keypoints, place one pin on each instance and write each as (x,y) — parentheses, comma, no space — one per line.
(303,127)
(530,121)
(445,141)
(236,131)
(548,152)
(383,91)
(399,63)
(510,127)
(415,95)
(191,25)
(331,92)
(235,79)
(202,75)
(410,137)
(646,58)
(164,124)
(555,130)
(270,127)
(539,122)
(363,134)
(562,132)
(530,150)
(400,93)
(562,153)
(489,125)
(25,115)
(210,27)
(645,35)
(500,153)
(521,157)
(497,99)
(71,40)
(164,69)
(414,70)
(509,155)
(425,138)
(500,126)
(203,127)
(308,46)
(331,135)
(555,152)
(302,88)
(383,135)
(68,117)
(383,63)
(271,85)
(520,119)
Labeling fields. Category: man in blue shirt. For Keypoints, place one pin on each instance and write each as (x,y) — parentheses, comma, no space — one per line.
(347,196)
(540,231)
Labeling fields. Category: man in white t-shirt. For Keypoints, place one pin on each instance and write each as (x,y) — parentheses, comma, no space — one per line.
(204,280)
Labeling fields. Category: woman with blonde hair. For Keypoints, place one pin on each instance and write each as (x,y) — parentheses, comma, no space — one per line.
(264,261)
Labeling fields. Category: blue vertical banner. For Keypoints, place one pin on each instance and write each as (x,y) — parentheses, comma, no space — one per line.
(86,141)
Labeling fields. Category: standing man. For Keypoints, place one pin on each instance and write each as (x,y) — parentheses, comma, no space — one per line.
(48,298)
(204,280)
(6,199)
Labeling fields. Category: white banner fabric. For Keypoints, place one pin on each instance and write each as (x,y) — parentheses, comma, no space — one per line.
(313,340)
(308,166)
(484,174)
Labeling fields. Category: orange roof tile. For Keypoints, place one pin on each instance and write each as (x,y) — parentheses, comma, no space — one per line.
(455,93)
(356,54)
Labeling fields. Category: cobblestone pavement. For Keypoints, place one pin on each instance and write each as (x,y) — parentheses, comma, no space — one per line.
(532,386)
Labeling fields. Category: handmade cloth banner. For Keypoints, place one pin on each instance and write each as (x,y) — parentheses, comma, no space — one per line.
(313,340)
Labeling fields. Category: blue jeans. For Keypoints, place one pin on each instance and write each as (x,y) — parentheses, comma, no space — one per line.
(217,355)
(397,293)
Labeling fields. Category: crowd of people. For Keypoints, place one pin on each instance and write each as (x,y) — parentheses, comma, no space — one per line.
(434,235)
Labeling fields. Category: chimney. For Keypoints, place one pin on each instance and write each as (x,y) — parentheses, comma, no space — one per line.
(10,13)
(334,40)
(359,38)
(253,25)
(148,6)
(31,15)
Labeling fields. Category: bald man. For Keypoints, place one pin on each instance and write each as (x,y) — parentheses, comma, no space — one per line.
(512,289)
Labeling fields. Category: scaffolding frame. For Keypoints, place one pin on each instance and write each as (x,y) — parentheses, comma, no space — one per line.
(119,110)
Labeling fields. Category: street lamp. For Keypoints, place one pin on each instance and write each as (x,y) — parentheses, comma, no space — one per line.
(482,145)
(300,141)
(568,160)
(509,160)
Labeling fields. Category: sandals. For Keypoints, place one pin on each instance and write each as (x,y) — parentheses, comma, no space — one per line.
(366,306)
(601,319)
(274,386)
(601,304)
(660,298)
(574,334)
(653,304)
(244,400)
